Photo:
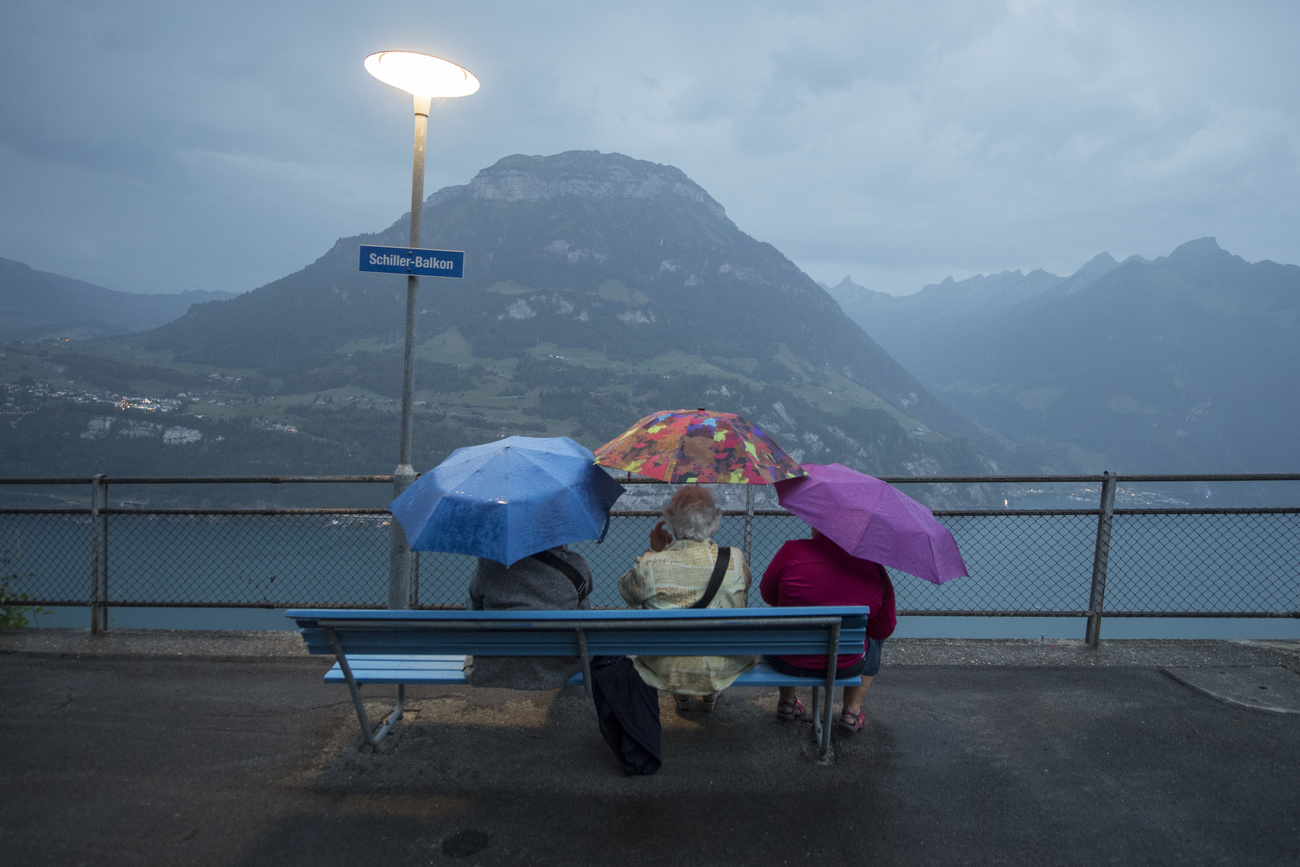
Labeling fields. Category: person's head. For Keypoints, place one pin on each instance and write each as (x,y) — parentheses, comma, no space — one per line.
(692,514)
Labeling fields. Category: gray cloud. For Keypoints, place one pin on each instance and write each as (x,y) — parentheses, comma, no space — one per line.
(151,146)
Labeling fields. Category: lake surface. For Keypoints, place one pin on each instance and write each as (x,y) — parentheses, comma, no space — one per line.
(1034,564)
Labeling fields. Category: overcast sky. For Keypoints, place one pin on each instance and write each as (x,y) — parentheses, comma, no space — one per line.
(157,146)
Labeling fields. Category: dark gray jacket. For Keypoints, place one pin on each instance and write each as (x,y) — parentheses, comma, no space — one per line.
(528,584)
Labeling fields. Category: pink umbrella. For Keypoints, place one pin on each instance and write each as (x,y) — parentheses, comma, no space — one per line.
(873,520)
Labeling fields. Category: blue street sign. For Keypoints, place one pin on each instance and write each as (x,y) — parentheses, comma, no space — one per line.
(407,260)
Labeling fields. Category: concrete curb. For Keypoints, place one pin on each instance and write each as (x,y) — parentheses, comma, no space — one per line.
(1264,687)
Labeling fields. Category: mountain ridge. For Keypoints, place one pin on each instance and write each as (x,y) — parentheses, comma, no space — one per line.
(597,289)
(1176,364)
(38,305)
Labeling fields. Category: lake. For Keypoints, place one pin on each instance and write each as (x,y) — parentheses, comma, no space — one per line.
(1028,563)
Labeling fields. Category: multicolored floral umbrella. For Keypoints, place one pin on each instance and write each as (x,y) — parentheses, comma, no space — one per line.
(694,445)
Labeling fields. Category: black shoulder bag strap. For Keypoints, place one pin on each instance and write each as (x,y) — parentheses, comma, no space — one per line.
(715,580)
(568,570)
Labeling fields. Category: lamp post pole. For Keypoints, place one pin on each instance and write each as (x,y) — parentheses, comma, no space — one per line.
(424,77)
(399,558)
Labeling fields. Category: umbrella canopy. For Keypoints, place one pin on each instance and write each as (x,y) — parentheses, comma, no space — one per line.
(694,445)
(873,520)
(508,499)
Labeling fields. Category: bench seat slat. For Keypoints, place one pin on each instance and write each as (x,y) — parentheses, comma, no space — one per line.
(667,642)
(362,663)
(447,670)
(765,675)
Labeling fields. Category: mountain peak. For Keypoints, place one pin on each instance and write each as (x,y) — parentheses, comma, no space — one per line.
(1198,249)
(586,174)
(601,287)
(1092,271)
(1098,265)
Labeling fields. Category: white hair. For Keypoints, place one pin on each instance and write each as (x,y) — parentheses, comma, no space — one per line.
(693,514)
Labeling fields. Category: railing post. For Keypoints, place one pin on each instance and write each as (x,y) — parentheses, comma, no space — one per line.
(98,555)
(1100,558)
(415,580)
(399,552)
(749,521)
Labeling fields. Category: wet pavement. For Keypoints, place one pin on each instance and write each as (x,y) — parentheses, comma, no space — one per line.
(160,747)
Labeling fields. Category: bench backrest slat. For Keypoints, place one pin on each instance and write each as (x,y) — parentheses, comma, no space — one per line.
(744,631)
(305,616)
(722,642)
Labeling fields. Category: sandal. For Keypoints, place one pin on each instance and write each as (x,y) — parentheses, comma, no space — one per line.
(709,702)
(850,721)
(790,710)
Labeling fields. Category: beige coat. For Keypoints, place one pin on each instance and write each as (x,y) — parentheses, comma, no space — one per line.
(677,577)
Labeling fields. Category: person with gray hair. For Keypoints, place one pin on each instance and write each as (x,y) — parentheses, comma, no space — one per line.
(675,573)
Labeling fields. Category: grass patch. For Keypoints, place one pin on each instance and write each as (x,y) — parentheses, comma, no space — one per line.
(510,287)
(1038,398)
(617,290)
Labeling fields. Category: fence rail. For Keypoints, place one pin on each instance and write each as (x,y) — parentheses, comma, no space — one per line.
(1126,561)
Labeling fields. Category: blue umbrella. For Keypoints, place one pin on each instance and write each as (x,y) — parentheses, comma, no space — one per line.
(508,499)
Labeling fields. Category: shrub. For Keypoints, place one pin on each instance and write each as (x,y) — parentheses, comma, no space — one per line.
(14,609)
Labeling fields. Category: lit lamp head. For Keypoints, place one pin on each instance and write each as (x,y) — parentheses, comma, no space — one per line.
(423,76)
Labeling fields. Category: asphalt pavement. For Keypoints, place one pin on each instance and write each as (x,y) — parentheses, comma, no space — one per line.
(159,747)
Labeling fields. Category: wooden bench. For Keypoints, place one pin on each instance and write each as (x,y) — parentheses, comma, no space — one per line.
(429,647)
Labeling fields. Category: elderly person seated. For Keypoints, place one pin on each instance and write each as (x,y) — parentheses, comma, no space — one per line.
(816,571)
(554,579)
(676,573)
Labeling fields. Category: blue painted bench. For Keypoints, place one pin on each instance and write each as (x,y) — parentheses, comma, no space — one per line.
(429,647)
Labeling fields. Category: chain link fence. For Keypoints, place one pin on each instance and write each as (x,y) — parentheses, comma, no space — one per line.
(1204,563)
(1162,562)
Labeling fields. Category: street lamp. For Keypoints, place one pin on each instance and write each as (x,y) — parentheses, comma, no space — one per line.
(425,78)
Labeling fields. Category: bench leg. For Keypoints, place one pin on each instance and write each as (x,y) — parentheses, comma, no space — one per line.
(372,736)
(817,715)
(586,663)
(821,719)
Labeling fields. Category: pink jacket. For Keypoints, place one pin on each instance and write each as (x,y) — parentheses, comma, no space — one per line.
(818,572)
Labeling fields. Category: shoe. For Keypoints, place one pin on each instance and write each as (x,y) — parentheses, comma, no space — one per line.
(852,722)
(790,710)
(683,703)
(709,702)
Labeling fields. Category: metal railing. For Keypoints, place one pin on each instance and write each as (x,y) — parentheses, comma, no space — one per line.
(1127,561)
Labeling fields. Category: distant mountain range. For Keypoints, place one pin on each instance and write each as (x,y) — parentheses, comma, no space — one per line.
(1184,364)
(36,305)
(597,289)
(600,288)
